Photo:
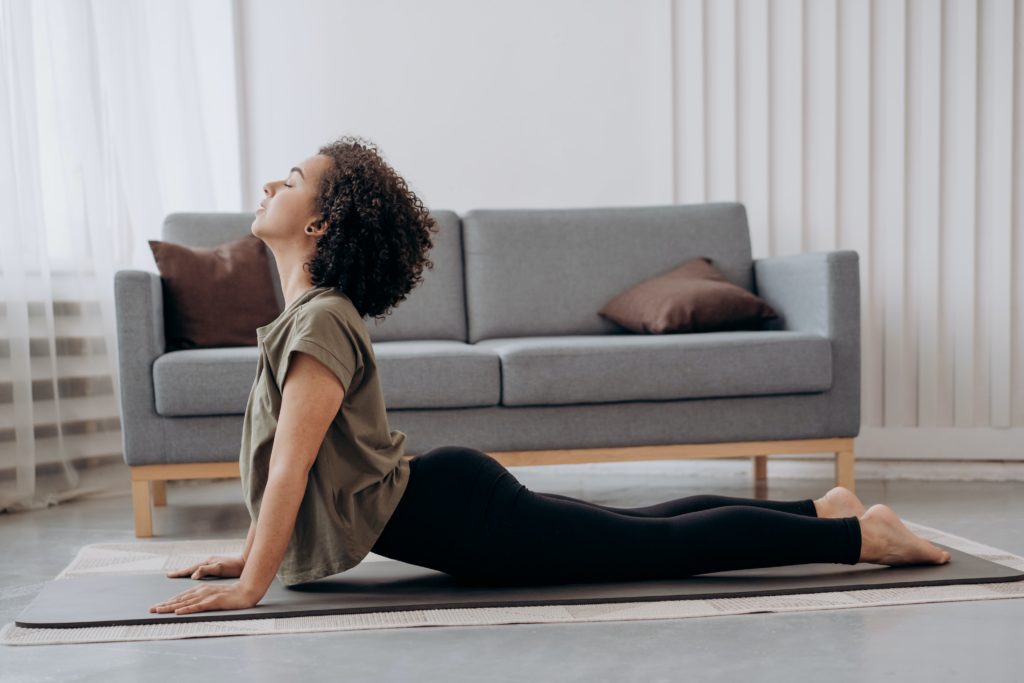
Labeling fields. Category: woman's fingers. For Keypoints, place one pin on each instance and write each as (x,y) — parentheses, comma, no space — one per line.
(207,569)
(215,565)
(182,571)
(191,607)
(196,570)
(185,571)
(172,602)
(187,603)
(188,597)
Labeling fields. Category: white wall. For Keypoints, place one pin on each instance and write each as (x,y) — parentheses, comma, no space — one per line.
(515,104)
(890,127)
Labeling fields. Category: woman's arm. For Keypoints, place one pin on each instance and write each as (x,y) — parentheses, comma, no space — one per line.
(248,541)
(310,399)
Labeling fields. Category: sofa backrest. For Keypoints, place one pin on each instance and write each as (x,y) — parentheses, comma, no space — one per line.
(435,309)
(548,271)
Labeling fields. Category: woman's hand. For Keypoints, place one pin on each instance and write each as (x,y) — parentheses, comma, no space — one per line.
(217,565)
(212,595)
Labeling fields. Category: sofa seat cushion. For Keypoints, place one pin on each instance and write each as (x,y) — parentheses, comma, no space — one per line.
(554,370)
(438,373)
(414,374)
(204,381)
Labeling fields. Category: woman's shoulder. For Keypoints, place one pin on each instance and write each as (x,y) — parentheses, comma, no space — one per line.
(330,319)
(331,302)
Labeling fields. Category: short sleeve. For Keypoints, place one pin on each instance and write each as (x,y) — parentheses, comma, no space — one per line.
(326,337)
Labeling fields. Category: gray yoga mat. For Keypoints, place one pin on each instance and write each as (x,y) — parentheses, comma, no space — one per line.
(389,585)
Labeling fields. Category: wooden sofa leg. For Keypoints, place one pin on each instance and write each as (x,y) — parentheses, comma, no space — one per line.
(142,509)
(159,489)
(844,469)
(760,469)
(760,476)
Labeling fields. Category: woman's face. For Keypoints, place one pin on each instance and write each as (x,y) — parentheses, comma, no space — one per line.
(288,205)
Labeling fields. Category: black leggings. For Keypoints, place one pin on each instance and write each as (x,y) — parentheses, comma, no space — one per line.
(465,514)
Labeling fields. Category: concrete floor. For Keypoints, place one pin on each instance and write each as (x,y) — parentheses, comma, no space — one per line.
(981,640)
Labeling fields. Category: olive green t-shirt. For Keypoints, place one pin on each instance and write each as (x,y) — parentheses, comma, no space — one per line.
(360,471)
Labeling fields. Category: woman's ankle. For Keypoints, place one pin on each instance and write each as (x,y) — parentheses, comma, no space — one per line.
(869,540)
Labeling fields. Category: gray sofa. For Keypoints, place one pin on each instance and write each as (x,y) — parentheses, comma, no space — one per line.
(501,349)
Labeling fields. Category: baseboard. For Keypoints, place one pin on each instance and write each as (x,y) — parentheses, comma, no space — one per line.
(940,443)
(804,467)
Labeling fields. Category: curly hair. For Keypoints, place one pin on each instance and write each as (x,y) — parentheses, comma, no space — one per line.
(378,231)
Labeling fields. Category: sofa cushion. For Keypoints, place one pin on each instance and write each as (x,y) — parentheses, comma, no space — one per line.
(215,296)
(204,381)
(436,373)
(536,272)
(414,374)
(629,367)
(436,307)
(693,297)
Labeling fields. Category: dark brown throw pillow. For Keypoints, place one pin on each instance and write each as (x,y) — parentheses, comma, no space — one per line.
(215,296)
(694,297)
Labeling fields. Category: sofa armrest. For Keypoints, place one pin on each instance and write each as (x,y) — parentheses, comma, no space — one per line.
(139,309)
(814,292)
(820,292)
(139,306)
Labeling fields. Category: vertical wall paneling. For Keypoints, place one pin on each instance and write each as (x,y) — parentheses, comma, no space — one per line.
(690,99)
(995,173)
(1016,369)
(786,83)
(959,195)
(924,142)
(820,140)
(854,193)
(888,219)
(947,188)
(892,128)
(720,112)
(752,101)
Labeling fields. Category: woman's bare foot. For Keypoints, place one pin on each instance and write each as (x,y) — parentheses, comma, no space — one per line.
(839,502)
(886,540)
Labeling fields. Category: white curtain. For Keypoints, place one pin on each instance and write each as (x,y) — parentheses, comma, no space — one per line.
(113,113)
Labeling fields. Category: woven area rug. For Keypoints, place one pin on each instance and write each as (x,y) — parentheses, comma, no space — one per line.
(150,556)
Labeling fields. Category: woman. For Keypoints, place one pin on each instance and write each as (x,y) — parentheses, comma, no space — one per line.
(326,480)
